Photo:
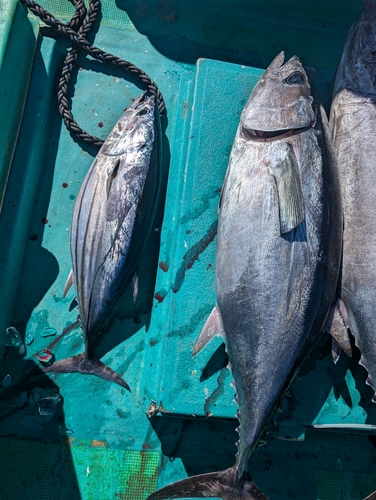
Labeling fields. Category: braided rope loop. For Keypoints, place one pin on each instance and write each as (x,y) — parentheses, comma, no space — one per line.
(76,31)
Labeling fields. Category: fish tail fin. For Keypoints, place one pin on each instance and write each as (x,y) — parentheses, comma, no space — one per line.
(83,365)
(372,496)
(221,484)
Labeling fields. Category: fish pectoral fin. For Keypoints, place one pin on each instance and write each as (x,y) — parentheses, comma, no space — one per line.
(68,284)
(111,176)
(290,194)
(338,330)
(92,366)
(213,326)
(221,484)
(134,285)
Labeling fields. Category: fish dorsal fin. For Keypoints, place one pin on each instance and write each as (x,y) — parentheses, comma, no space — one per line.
(68,284)
(290,195)
(338,330)
(213,326)
(111,176)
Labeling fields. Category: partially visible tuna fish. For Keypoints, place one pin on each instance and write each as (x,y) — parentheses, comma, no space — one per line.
(277,263)
(111,223)
(353,124)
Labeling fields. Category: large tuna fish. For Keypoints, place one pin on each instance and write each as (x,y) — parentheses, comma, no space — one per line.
(353,124)
(111,223)
(278,255)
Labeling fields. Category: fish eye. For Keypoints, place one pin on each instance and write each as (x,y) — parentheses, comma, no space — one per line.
(143,111)
(296,78)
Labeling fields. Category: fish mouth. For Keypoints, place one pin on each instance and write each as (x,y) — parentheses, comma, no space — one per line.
(271,135)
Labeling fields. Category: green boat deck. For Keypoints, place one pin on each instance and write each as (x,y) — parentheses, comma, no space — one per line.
(76,437)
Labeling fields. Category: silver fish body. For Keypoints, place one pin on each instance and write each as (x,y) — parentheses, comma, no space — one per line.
(277,263)
(111,211)
(353,124)
(112,220)
(273,302)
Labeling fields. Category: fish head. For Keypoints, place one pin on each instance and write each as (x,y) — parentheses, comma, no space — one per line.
(135,128)
(281,101)
(357,69)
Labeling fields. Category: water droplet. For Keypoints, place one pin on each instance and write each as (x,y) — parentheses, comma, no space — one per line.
(48,332)
(41,316)
(45,357)
(47,406)
(7,381)
(12,337)
(29,339)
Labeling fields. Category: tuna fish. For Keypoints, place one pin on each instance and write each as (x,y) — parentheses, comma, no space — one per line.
(112,220)
(277,260)
(353,125)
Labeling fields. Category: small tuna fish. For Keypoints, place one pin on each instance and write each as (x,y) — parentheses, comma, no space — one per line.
(353,124)
(111,223)
(277,263)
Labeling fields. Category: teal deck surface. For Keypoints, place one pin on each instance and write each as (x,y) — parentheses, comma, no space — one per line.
(95,440)
(16,55)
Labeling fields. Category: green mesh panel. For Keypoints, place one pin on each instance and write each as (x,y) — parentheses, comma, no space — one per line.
(329,485)
(37,471)
(112,15)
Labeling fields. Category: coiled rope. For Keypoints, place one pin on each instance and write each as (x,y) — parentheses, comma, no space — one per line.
(76,31)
